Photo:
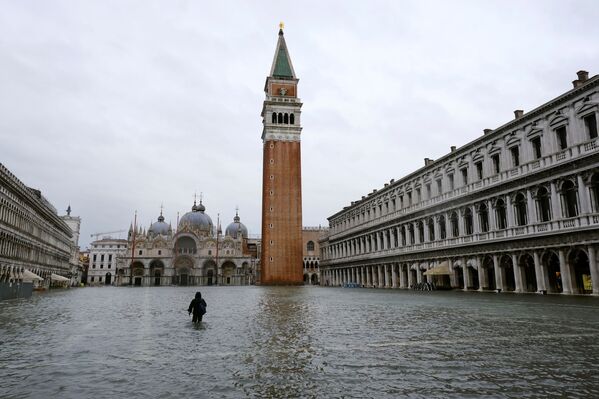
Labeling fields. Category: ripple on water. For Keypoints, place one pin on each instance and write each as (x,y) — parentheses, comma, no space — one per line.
(297,342)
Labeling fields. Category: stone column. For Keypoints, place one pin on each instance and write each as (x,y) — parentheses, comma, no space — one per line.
(367,276)
(398,233)
(394,275)
(482,276)
(392,237)
(583,197)
(530,209)
(378,241)
(491,212)
(498,275)
(539,273)
(402,277)
(379,270)
(594,269)
(555,208)
(465,273)
(518,274)
(385,272)
(511,222)
(410,278)
(475,222)
(565,271)
(418,274)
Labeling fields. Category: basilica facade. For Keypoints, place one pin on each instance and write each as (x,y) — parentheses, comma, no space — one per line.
(195,253)
(515,210)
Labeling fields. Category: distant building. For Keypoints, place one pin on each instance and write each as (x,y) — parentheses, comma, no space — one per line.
(33,239)
(311,253)
(516,209)
(197,253)
(102,260)
(74,222)
(84,263)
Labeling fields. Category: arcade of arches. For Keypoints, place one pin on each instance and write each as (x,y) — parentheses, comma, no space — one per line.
(571,270)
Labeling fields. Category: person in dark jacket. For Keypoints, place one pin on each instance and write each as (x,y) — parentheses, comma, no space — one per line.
(198,307)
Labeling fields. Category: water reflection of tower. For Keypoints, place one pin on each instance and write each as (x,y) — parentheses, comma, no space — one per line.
(281,258)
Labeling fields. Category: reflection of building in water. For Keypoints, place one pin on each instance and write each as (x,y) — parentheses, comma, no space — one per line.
(196,254)
(310,237)
(517,209)
(35,243)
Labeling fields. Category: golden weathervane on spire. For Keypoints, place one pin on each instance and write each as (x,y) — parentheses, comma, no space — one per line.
(281,25)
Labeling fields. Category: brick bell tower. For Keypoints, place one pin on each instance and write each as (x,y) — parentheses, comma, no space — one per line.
(281,258)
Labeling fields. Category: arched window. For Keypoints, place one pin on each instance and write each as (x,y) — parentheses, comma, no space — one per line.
(594,188)
(310,246)
(411,232)
(455,229)
(543,204)
(420,227)
(403,235)
(501,215)
(468,221)
(280,118)
(483,215)
(431,229)
(520,207)
(569,199)
(292,119)
(442,227)
(286,119)
(274,117)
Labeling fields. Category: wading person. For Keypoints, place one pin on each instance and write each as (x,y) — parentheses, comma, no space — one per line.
(198,307)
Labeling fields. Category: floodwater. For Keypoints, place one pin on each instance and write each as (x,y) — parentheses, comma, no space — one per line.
(312,342)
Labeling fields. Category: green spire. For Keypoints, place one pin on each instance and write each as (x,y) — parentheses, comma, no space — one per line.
(282,67)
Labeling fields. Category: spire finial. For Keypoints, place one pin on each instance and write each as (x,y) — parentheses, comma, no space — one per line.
(161,207)
(201,196)
(237,210)
(195,197)
(281,25)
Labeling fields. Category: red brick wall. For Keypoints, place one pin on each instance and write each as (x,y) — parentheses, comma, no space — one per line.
(281,209)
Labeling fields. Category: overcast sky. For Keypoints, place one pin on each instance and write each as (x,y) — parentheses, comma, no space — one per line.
(117,106)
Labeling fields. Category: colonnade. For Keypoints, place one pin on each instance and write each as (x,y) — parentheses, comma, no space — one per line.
(567,270)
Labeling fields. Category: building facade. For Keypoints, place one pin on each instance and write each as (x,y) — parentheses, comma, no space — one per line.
(515,210)
(311,250)
(74,222)
(196,253)
(102,260)
(33,238)
(281,181)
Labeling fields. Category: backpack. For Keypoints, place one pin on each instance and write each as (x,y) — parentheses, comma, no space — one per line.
(201,308)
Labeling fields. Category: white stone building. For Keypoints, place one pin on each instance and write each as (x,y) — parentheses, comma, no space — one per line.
(74,222)
(33,238)
(515,210)
(103,256)
(196,254)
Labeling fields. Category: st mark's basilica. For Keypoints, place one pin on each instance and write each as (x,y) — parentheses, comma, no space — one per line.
(196,253)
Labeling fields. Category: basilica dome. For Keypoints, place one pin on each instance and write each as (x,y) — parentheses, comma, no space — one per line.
(196,219)
(159,227)
(236,227)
